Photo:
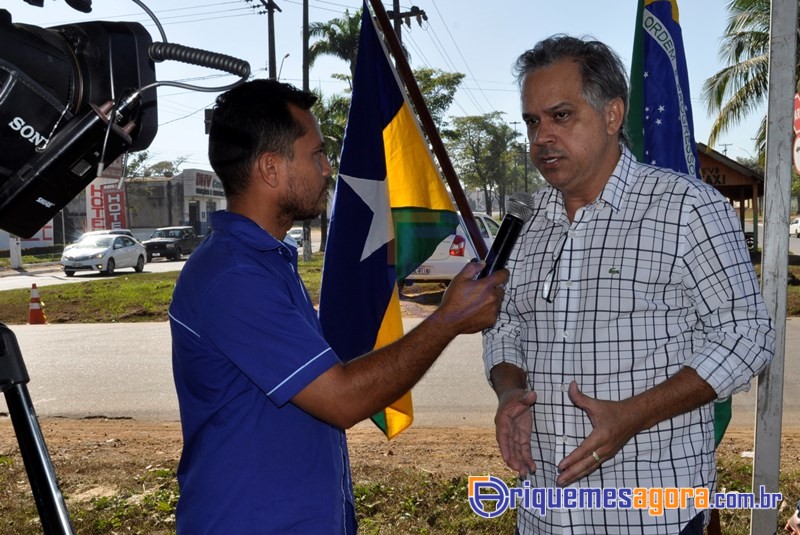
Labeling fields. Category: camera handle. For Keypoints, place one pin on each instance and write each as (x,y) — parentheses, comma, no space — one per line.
(41,475)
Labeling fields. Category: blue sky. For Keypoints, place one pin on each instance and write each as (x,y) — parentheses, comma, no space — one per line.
(479,39)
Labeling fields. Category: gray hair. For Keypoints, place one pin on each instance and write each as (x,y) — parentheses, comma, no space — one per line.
(603,74)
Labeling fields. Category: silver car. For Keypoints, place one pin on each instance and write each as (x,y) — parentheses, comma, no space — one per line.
(104,253)
(454,252)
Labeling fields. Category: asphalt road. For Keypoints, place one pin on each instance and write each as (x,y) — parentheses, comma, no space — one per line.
(124,370)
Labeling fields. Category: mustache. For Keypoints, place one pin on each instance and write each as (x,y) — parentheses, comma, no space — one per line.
(545,153)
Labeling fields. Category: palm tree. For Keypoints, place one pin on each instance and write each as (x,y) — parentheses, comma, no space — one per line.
(337,37)
(332,115)
(741,87)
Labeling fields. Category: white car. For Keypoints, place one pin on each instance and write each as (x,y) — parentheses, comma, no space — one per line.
(123,231)
(104,253)
(454,252)
(295,237)
(794,227)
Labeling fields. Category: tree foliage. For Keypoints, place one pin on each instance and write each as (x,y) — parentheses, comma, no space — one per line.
(438,88)
(742,86)
(138,165)
(482,155)
(337,37)
(332,115)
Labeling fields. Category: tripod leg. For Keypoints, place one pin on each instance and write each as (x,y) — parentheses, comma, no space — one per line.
(41,475)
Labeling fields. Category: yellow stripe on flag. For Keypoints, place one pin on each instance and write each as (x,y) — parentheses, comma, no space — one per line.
(399,414)
(411,175)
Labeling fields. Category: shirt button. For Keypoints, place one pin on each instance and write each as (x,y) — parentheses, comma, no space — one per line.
(565,335)
(572,233)
(564,387)
(568,284)
(564,439)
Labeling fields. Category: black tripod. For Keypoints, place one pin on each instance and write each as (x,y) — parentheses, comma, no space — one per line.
(13,378)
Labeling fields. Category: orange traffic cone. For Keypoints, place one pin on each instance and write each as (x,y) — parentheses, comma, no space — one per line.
(36,311)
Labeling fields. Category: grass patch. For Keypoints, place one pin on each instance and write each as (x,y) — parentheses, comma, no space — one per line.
(389,500)
(415,501)
(132,297)
(30,259)
(125,297)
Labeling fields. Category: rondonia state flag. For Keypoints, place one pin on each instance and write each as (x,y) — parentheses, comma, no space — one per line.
(660,116)
(390,210)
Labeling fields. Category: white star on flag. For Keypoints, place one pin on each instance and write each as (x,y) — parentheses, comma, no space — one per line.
(375,195)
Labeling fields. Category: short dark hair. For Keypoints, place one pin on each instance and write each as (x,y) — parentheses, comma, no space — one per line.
(604,77)
(249,120)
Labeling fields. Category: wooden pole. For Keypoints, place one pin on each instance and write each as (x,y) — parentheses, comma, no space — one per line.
(415,95)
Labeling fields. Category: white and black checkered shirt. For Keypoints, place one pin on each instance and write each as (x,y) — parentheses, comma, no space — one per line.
(651,277)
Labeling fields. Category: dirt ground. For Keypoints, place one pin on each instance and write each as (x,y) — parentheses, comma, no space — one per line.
(91,454)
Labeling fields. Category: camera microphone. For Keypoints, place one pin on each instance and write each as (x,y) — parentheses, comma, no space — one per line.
(518,211)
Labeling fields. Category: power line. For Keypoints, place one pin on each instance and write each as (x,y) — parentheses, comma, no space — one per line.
(450,65)
(458,49)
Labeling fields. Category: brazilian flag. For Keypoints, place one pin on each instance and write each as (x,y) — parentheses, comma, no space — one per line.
(660,116)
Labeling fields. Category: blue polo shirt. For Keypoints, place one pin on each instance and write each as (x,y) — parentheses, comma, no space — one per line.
(245,340)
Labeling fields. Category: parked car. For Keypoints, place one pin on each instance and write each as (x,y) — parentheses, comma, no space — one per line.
(104,253)
(794,227)
(295,237)
(296,233)
(121,231)
(172,242)
(454,252)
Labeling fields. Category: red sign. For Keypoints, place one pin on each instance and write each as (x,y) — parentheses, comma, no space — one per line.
(796,153)
(796,113)
(114,207)
(95,209)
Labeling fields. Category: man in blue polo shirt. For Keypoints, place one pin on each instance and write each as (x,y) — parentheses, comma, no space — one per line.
(263,398)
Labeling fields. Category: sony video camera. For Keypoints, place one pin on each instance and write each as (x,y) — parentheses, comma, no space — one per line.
(63,111)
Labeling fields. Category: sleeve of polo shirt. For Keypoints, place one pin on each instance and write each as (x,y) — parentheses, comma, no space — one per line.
(266,335)
(737,333)
(501,342)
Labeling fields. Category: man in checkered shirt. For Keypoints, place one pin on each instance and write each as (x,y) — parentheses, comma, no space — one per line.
(632,306)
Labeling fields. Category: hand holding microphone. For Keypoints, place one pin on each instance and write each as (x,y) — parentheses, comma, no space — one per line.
(518,211)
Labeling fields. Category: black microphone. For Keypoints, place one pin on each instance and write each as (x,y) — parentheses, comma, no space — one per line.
(518,211)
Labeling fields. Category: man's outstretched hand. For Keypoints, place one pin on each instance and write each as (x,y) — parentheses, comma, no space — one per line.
(613,422)
(514,426)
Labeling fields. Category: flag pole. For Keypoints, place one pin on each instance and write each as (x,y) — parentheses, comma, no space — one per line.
(415,95)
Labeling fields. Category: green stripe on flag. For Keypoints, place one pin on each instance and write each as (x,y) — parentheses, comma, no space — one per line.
(417,232)
(379,419)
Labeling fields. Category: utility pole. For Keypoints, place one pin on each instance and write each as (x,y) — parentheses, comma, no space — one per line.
(269,9)
(305,45)
(398,23)
(307,223)
(397,17)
